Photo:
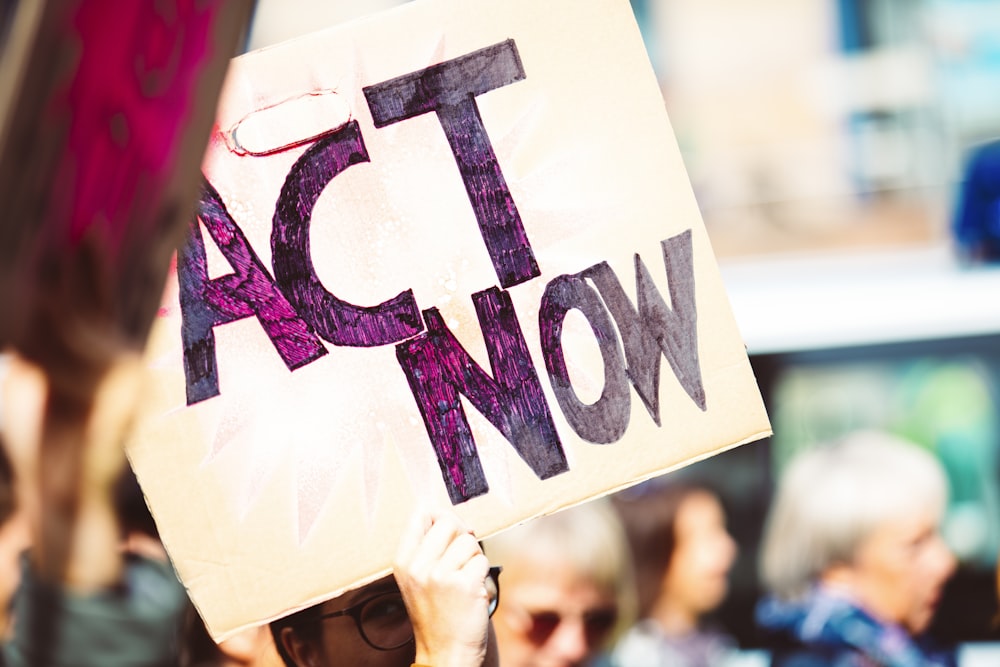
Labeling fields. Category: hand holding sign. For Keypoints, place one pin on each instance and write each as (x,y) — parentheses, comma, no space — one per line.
(497,214)
(441,571)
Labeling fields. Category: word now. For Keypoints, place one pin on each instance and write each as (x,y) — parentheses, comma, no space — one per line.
(298,312)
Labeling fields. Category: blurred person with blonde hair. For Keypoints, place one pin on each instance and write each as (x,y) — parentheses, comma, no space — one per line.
(567,590)
(853,556)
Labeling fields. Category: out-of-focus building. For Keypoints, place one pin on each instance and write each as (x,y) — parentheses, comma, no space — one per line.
(818,124)
(278,20)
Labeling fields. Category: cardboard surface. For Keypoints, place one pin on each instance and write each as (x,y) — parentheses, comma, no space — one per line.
(452,274)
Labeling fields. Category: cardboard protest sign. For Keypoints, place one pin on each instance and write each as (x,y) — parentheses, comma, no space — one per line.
(445,255)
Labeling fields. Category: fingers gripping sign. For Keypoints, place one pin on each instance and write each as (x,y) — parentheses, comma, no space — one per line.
(441,572)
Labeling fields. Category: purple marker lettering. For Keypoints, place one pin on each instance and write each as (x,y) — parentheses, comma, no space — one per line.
(250,291)
(337,321)
(449,89)
(654,328)
(605,420)
(439,369)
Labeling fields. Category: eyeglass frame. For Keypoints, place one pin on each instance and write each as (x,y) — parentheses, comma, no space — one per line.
(354,611)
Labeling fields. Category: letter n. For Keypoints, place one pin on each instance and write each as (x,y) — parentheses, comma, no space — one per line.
(439,369)
(249,291)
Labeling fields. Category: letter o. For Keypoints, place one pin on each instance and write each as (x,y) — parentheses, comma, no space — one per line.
(605,420)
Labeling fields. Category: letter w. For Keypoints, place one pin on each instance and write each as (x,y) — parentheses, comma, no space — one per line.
(654,329)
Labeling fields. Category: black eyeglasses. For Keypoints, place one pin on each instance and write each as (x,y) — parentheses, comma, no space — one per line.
(493,588)
(382,620)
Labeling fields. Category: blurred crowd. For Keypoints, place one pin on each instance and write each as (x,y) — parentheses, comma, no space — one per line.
(852,563)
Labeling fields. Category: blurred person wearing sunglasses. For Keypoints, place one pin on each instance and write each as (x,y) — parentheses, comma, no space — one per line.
(433,610)
(567,587)
(682,554)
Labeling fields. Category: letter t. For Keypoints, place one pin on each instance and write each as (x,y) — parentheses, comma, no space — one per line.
(450,89)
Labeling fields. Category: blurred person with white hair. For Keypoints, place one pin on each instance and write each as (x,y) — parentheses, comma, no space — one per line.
(853,556)
(568,587)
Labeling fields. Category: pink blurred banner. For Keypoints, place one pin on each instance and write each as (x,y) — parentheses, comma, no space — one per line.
(106,110)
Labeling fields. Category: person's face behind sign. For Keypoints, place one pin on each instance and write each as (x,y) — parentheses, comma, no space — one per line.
(551,614)
(340,642)
(900,569)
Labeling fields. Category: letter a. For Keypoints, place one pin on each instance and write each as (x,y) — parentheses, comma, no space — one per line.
(250,291)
